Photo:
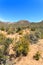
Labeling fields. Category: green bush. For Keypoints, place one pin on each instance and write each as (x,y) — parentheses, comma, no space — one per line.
(2,28)
(32,29)
(2,39)
(10,32)
(25,49)
(22,47)
(18,48)
(18,29)
(41,35)
(37,56)
(2,54)
(26,37)
(8,41)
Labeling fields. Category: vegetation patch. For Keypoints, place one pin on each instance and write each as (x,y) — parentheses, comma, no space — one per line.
(22,47)
(37,56)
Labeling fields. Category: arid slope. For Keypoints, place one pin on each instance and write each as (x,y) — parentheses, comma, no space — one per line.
(28,60)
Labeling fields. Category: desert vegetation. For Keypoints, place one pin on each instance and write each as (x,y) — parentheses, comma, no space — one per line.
(18,39)
(22,47)
(37,56)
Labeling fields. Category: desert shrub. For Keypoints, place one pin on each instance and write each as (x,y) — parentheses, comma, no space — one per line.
(7,28)
(2,39)
(18,48)
(2,57)
(2,47)
(20,33)
(28,26)
(10,32)
(33,38)
(8,41)
(25,49)
(37,56)
(2,28)
(5,41)
(18,29)
(26,37)
(41,35)
(2,60)
(22,47)
(32,29)
(1,53)
(38,34)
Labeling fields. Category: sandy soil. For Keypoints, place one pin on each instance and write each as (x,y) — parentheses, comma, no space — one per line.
(28,60)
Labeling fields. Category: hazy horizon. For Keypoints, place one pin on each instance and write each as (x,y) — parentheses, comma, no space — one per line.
(15,10)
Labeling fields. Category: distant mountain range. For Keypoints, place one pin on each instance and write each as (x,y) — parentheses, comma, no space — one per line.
(20,23)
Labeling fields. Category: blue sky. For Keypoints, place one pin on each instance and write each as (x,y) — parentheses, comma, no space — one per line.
(14,10)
